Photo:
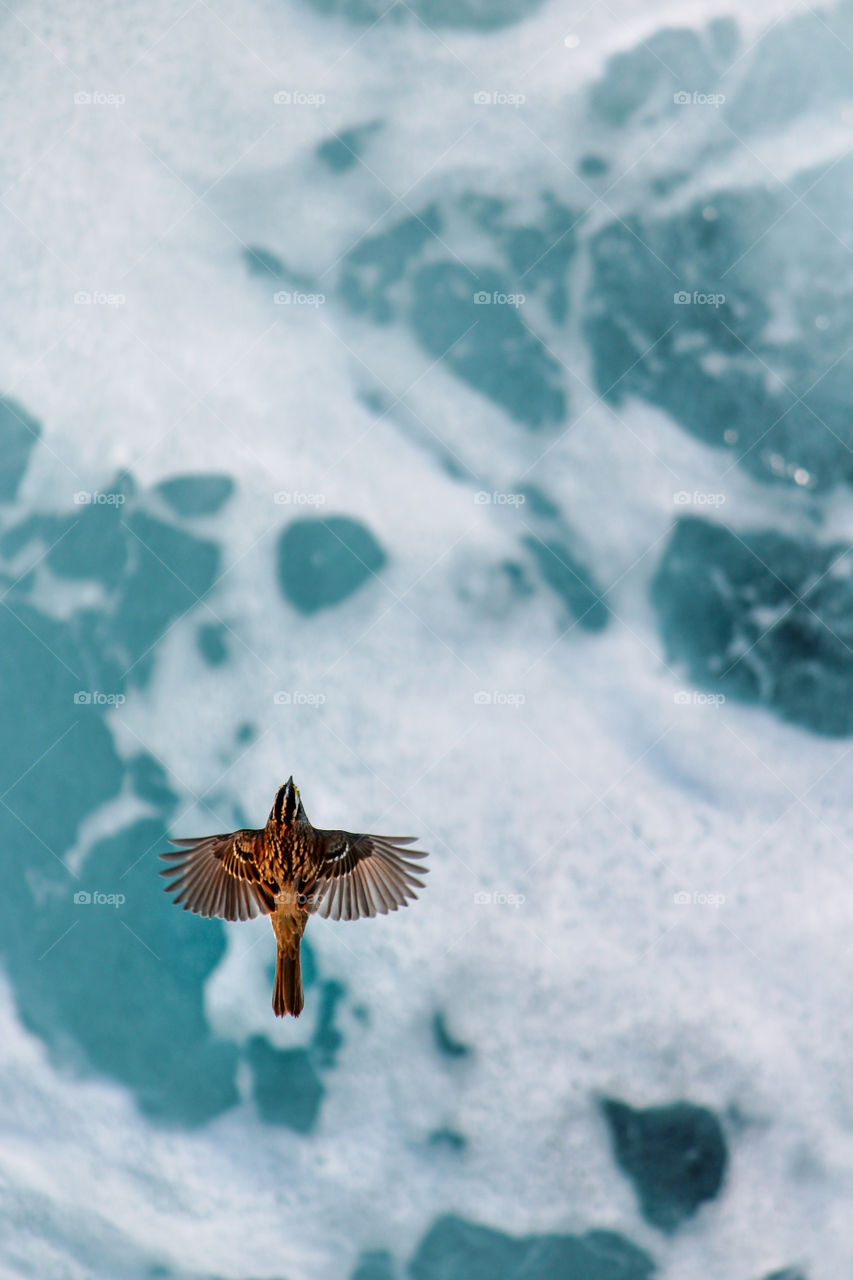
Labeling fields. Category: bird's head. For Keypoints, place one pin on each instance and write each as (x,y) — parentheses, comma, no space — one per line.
(287,808)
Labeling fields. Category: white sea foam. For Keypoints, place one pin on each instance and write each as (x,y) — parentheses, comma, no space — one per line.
(597,800)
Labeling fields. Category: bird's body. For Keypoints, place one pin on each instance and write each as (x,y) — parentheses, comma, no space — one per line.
(290,870)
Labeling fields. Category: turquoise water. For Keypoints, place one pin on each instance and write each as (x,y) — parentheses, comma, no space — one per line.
(447,405)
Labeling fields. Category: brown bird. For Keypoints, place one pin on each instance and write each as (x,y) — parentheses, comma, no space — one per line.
(290,870)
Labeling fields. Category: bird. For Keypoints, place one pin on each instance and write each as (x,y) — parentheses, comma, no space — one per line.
(290,870)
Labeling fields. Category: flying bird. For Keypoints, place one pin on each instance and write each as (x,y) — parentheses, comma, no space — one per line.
(290,870)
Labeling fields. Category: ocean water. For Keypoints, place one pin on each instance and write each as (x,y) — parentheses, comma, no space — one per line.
(448,405)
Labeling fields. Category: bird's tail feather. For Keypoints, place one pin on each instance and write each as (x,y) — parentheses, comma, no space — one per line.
(287,993)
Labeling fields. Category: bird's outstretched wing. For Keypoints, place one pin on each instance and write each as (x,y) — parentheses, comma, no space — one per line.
(365,875)
(220,876)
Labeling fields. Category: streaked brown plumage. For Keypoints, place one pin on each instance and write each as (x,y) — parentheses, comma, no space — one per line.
(290,870)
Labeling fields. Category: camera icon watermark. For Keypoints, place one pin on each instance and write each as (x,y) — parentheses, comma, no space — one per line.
(296,498)
(86,298)
(298,98)
(83,898)
(97,99)
(698,899)
(698,298)
(307,901)
(498,698)
(486,298)
(94,698)
(696,499)
(696,698)
(482,899)
(499,499)
(298,698)
(293,298)
(93,497)
(697,99)
(499,99)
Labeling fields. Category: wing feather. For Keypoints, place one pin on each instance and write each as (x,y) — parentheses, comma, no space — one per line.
(219,876)
(364,875)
